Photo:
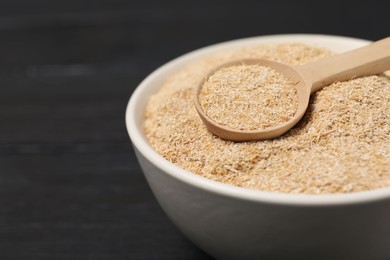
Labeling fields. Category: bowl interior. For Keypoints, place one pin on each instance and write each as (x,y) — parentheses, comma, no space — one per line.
(150,85)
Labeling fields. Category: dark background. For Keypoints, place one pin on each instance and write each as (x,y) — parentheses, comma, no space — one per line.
(70,186)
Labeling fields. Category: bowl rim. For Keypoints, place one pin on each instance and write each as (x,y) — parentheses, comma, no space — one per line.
(140,142)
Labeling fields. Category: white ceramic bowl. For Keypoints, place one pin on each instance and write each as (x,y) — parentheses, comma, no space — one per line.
(236,223)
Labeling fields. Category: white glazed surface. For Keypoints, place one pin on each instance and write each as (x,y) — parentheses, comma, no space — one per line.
(234,223)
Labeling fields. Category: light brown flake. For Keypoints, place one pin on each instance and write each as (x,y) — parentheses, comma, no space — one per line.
(248,97)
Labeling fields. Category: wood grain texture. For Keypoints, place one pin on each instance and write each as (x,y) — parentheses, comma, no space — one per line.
(70,186)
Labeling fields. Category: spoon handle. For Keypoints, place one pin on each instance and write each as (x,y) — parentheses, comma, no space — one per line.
(369,60)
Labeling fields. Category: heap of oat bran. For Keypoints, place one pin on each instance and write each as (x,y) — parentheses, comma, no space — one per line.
(341,145)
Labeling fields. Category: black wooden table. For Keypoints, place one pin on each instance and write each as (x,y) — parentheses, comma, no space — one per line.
(70,186)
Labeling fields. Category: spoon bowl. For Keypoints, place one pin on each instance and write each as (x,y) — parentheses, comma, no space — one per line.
(307,79)
(228,133)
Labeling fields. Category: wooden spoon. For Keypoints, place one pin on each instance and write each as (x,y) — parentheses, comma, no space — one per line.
(369,60)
